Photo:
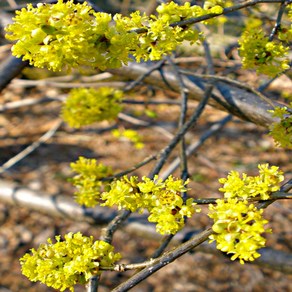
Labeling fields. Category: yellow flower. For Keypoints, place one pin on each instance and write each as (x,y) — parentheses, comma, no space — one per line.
(71,261)
(238,227)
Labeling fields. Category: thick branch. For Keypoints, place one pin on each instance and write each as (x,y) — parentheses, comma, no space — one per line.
(59,206)
(9,69)
(237,101)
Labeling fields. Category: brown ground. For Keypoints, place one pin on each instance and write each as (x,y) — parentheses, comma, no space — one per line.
(240,146)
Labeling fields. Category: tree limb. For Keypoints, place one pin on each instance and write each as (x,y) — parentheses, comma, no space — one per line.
(237,101)
(9,69)
(59,206)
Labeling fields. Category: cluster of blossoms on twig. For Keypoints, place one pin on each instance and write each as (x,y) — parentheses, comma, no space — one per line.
(88,180)
(258,52)
(237,227)
(162,199)
(84,106)
(238,224)
(282,131)
(70,35)
(69,261)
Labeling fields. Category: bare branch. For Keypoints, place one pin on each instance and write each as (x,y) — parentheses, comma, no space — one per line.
(60,206)
(21,155)
(237,101)
(181,132)
(9,69)
(139,122)
(57,84)
(92,286)
(196,145)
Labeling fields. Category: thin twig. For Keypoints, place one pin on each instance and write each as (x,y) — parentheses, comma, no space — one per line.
(21,155)
(140,122)
(280,195)
(210,64)
(182,118)
(108,232)
(285,188)
(164,244)
(135,167)
(230,81)
(136,82)
(164,260)
(225,11)
(183,130)
(195,146)
(278,21)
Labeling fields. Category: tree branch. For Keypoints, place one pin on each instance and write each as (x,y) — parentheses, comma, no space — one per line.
(60,206)
(9,69)
(237,101)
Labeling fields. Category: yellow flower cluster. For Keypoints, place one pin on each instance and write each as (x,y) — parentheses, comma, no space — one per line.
(162,199)
(258,52)
(282,131)
(267,181)
(67,262)
(238,225)
(57,36)
(85,106)
(130,135)
(216,6)
(88,180)
(68,35)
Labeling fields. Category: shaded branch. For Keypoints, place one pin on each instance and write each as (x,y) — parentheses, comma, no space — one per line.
(32,147)
(112,227)
(237,101)
(60,206)
(92,286)
(9,69)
